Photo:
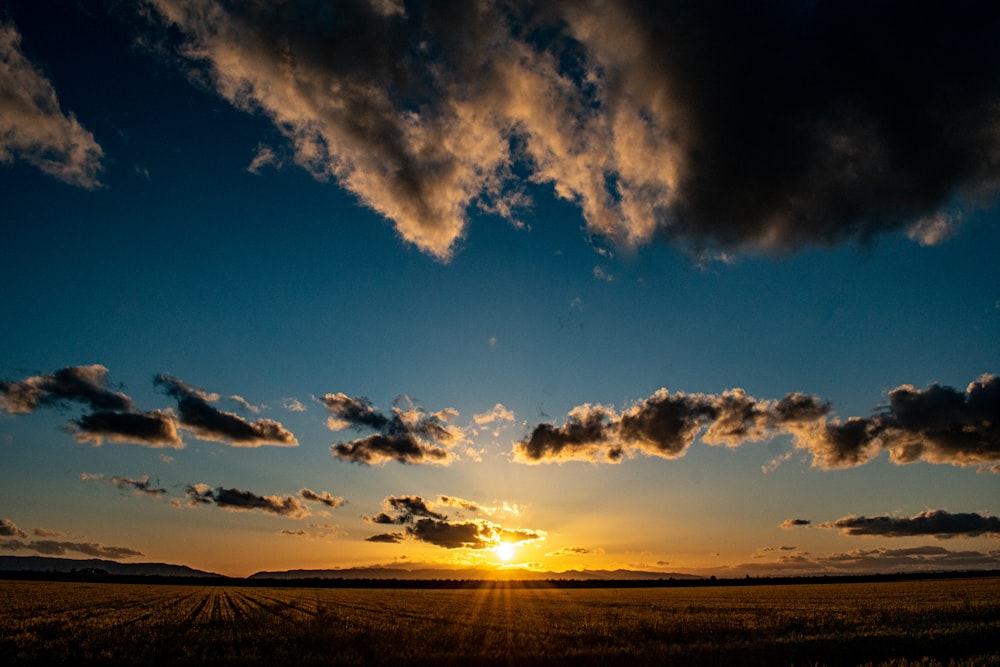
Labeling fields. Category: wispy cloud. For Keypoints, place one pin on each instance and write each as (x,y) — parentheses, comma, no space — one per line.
(794,523)
(786,109)
(33,127)
(936,425)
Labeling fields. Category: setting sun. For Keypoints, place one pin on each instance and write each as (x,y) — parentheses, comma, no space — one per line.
(505,551)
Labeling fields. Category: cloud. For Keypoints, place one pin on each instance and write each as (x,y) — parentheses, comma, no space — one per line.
(9,529)
(293,405)
(325,498)
(763,128)
(497,414)
(936,425)
(156,428)
(404,509)
(209,423)
(877,560)
(33,128)
(933,230)
(571,551)
(56,548)
(265,156)
(424,524)
(87,385)
(139,486)
(462,503)
(788,524)
(45,532)
(937,523)
(239,500)
(408,435)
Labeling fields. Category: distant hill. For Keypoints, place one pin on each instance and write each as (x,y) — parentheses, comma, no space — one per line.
(469,573)
(97,566)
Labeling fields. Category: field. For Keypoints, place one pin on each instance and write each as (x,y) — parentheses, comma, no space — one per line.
(893,623)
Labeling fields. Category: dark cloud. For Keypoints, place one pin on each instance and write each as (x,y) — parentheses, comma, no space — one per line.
(792,523)
(408,435)
(404,509)
(9,529)
(387,538)
(867,561)
(819,122)
(937,425)
(142,486)
(325,498)
(237,499)
(209,423)
(937,523)
(156,428)
(463,504)
(425,524)
(55,548)
(80,384)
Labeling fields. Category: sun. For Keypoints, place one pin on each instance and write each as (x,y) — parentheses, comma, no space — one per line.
(504,551)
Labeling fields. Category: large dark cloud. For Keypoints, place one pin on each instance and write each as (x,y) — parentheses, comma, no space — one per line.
(87,385)
(937,425)
(209,423)
(237,499)
(937,523)
(763,125)
(404,509)
(408,435)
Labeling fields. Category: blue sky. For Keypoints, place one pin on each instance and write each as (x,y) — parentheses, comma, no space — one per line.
(196,236)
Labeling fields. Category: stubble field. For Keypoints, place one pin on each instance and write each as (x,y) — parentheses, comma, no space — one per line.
(894,623)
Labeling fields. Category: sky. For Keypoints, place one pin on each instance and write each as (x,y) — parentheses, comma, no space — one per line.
(705,288)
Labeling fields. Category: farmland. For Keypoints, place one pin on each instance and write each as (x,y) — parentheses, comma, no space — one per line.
(891,623)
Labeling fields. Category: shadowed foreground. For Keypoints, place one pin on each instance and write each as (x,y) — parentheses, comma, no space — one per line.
(897,623)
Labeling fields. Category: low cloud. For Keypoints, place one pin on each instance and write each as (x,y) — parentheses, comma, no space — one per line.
(324,498)
(573,551)
(935,425)
(33,127)
(408,434)
(9,529)
(821,123)
(239,500)
(207,422)
(936,523)
(424,524)
(56,548)
(793,523)
(869,561)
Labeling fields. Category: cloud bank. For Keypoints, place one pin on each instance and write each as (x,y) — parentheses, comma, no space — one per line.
(936,523)
(936,425)
(764,127)
(33,127)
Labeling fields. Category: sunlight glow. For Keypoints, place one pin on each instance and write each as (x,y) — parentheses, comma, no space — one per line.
(504,551)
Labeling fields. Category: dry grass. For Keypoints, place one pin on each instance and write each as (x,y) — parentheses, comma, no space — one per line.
(900,624)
